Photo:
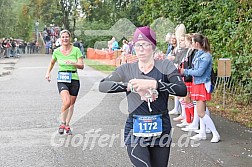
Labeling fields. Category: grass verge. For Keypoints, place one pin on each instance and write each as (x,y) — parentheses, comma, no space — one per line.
(232,110)
(99,66)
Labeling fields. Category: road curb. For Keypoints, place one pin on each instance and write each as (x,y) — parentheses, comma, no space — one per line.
(7,65)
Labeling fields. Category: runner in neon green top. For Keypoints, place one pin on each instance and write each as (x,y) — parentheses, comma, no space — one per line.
(69,59)
(73,56)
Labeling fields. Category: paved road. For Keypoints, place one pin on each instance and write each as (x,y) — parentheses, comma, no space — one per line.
(30,117)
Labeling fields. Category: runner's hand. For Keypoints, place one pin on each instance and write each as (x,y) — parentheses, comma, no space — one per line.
(47,77)
(143,84)
(143,94)
(70,63)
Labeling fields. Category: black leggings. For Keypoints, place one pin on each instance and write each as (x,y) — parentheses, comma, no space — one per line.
(148,156)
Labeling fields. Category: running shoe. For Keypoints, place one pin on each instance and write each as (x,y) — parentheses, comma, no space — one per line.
(183,124)
(215,139)
(207,131)
(179,118)
(61,129)
(189,128)
(68,130)
(173,112)
(198,137)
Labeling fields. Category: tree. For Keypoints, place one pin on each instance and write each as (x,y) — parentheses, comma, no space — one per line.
(62,13)
(6,18)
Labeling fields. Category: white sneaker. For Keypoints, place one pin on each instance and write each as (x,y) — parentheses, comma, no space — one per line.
(198,137)
(188,128)
(182,124)
(183,120)
(173,112)
(215,139)
(179,118)
(207,131)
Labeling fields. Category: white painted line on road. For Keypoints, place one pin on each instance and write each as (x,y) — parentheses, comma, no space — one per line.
(87,103)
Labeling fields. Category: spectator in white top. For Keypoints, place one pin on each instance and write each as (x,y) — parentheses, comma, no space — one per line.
(125,51)
(58,43)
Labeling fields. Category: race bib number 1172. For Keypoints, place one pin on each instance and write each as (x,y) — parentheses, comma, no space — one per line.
(147,126)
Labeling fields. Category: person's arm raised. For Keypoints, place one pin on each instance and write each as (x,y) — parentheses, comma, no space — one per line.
(113,84)
(176,85)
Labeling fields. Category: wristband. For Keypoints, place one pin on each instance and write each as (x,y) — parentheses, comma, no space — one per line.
(132,88)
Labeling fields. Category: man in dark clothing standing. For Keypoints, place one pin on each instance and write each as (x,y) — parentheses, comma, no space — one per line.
(76,43)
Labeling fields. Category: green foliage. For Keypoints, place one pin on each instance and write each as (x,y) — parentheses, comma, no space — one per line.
(62,13)
(50,13)
(112,15)
(161,26)
(15,20)
(90,39)
(6,18)
(95,10)
(110,11)
(226,23)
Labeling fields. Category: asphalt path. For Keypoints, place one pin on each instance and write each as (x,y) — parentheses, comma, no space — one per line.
(30,108)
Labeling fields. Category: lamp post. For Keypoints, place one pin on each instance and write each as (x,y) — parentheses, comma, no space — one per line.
(36,26)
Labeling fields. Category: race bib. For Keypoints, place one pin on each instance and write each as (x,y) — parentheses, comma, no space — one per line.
(64,77)
(147,126)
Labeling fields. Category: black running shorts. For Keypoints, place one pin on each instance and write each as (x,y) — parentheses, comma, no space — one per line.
(72,87)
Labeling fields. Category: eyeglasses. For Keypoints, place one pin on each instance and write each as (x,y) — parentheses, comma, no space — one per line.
(143,45)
